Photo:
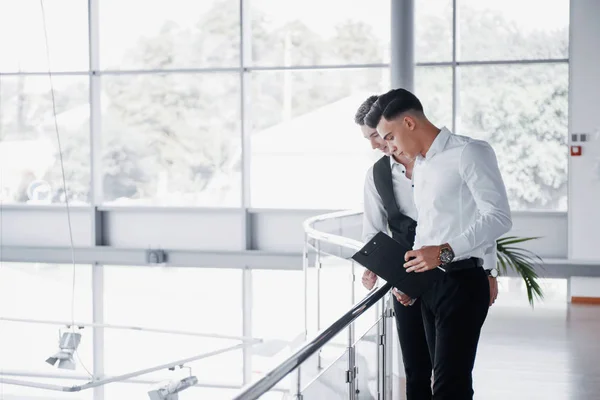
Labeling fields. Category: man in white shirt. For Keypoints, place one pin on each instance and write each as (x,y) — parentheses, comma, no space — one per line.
(389,202)
(462,209)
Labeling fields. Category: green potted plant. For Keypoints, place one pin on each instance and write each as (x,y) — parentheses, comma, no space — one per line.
(522,261)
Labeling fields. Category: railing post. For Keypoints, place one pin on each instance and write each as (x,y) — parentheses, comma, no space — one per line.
(298,383)
(351,373)
(388,349)
(381,350)
(318,273)
(305,271)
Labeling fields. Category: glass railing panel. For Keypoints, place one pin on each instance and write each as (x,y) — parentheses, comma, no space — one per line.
(335,294)
(364,323)
(367,357)
(277,395)
(331,384)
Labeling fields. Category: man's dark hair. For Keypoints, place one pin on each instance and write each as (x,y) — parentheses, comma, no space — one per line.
(392,104)
(364,108)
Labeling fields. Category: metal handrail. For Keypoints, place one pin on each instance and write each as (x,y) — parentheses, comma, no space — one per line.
(330,237)
(263,385)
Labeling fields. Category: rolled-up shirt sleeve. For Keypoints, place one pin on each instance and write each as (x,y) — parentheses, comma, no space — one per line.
(479,170)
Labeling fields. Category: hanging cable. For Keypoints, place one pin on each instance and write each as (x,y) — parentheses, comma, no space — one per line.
(64,183)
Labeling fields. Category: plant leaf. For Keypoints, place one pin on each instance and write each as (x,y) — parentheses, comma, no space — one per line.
(523,262)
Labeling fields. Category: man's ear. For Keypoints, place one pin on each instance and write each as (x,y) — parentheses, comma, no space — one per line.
(410,122)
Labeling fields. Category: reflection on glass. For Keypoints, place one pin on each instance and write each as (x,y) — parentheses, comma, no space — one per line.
(521,110)
(341,32)
(29,156)
(513,29)
(43,292)
(367,349)
(23,42)
(331,384)
(307,152)
(433,30)
(172,140)
(138,34)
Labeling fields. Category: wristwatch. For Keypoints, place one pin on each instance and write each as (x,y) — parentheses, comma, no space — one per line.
(446,254)
(492,272)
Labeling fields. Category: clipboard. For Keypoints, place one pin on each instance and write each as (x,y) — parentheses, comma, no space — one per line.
(385,257)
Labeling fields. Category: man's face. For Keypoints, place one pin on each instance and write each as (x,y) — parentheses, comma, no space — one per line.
(373,137)
(400,136)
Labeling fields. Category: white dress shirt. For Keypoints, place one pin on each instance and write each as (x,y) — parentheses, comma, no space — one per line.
(460,196)
(375,215)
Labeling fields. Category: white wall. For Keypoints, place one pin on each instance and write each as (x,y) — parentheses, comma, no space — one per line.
(586,287)
(584,117)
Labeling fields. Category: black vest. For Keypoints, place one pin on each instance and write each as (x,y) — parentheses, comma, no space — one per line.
(402,226)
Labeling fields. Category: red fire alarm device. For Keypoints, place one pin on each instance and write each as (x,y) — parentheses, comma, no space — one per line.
(575,151)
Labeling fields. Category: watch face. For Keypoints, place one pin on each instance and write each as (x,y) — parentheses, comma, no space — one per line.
(446,256)
(494,273)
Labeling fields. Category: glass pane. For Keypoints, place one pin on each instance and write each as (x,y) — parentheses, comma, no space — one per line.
(433,30)
(336,289)
(433,86)
(128,351)
(43,292)
(367,362)
(276,395)
(184,299)
(291,33)
(172,140)
(513,29)
(331,384)
(521,110)
(137,34)
(307,152)
(370,316)
(14,392)
(29,156)
(23,41)
(267,287)
(283,333)
(336,300)
(135,391)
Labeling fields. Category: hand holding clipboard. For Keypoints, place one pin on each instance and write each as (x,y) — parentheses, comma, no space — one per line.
(385,257)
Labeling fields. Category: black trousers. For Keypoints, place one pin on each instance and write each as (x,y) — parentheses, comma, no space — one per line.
(415,352)
(454,311)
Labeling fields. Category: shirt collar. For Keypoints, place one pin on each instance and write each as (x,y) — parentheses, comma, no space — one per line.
(439,143)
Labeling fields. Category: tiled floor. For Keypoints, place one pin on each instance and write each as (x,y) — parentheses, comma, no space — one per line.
(549,353)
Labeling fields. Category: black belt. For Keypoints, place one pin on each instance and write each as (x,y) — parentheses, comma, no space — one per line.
(460,265)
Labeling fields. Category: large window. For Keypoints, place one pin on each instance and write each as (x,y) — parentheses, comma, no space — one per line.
(178,85)
(199,300)
(172,139)
(502,78)
(307,152)
(175,86)
(47,292)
